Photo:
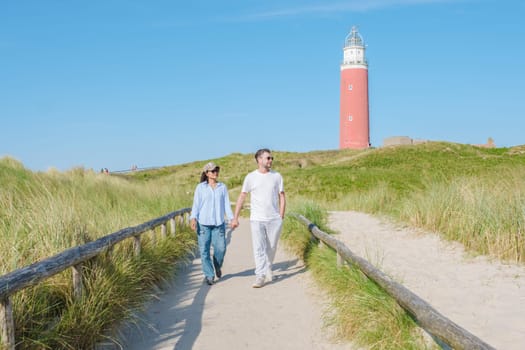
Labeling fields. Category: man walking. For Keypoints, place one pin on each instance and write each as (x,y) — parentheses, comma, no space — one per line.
(267,207)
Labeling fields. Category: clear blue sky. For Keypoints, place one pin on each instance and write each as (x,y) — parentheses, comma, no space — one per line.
(112,83)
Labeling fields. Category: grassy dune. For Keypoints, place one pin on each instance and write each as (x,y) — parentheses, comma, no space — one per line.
(45,213)
(472,195)
(464,193)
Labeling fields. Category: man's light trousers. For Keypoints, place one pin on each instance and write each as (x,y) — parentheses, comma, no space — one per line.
(265,236)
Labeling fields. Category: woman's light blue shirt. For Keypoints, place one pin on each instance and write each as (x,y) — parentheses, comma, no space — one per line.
(210,205)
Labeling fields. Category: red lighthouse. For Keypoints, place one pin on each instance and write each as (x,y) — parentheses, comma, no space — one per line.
(354,131)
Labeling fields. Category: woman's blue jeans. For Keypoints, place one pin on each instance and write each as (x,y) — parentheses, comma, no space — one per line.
(211,236)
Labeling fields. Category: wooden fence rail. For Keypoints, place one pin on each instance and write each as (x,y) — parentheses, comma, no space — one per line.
(74,257)
(427,317)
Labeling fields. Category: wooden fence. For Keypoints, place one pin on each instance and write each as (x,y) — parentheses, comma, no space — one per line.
(71,258)
(425,315)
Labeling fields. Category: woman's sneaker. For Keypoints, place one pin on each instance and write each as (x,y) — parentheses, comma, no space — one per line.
(209,281)
(259,282)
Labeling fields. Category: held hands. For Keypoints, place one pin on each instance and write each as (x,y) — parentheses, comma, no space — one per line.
(234,223)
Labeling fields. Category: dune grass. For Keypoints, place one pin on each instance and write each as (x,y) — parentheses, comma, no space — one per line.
(43,214)
(47,317)
(485,215)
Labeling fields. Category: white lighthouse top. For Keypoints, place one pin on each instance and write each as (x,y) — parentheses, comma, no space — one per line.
(354,38)
(354,51)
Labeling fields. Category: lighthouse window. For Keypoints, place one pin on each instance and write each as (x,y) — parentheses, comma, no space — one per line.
(350,87)
(349,118)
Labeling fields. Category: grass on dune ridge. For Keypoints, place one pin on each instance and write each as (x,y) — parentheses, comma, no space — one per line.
(464,193)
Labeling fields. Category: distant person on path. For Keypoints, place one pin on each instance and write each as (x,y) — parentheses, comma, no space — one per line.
(267,207)
(211,204)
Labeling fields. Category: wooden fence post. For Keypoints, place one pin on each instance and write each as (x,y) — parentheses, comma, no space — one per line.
(340,260)
(153,237)
(163,230)
(136,244)
(173,226)
(7,324)
(78,286)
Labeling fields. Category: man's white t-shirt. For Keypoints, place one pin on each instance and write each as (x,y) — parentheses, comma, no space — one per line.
(264,189)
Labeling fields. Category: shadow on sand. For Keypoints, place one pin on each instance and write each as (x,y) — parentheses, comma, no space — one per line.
(176,316)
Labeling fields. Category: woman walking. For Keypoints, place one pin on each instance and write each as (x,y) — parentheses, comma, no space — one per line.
(211,204)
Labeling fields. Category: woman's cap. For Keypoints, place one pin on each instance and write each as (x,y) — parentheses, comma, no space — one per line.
(210,166)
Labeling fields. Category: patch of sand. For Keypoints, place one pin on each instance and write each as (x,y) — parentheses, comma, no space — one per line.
(485,297)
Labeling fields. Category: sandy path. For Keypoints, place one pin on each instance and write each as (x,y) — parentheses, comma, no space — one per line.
(485,297)
(284,314)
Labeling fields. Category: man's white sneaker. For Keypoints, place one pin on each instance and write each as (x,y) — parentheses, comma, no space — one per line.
(269,275)
(259,282)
